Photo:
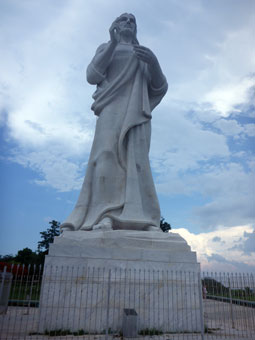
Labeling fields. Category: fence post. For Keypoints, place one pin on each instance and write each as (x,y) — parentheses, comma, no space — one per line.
(231,303)
(2,283)
(5,289)
(201,307)
(108,305)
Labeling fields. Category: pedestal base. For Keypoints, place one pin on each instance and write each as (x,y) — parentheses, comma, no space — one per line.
(90,277)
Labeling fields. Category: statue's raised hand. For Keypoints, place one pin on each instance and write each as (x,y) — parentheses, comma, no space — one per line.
(114,33)
(145,54)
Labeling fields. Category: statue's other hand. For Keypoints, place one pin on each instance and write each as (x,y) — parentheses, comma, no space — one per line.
(145,54)
(114,33)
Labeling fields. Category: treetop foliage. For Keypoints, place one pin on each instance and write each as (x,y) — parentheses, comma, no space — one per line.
(164,225)
(27,256)
(48,236)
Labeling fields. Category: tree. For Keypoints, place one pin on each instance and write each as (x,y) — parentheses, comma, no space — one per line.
(164,225)
(48,236)
(26,256)
(7,258)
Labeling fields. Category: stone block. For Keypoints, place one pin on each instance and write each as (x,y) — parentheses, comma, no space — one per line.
(129,328)
(90,277)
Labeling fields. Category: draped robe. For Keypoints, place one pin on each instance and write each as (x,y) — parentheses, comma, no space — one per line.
(118,182)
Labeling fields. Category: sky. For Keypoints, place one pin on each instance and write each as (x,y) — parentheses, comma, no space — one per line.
(203,131)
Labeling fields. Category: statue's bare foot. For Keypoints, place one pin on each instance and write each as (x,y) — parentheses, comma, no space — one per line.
(86,228)
(152,228)
(104,224)
(67,227)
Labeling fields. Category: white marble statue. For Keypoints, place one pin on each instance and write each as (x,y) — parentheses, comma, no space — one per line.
(118,190)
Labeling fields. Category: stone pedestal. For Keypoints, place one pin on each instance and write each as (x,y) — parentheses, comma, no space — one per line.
(91,277)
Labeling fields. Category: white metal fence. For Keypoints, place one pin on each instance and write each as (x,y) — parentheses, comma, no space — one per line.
(82,303)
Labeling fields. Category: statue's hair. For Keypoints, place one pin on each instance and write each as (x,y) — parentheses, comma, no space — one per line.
(134,41)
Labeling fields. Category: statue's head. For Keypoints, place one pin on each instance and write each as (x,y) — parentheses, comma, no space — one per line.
(127,25)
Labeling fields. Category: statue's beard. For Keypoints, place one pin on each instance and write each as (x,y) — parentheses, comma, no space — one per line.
(126,31)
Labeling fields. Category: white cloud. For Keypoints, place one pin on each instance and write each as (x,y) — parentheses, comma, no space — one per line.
(227,189)
(231,194)
(225,98)
(181,145)
(228,127)
(53,169)
(222,255)
(43,93)
(217,73)
(249,129)
(230,73)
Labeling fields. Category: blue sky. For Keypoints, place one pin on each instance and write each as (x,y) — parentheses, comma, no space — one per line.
(202,150)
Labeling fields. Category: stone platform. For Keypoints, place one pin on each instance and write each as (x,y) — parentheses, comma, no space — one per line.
(90,277)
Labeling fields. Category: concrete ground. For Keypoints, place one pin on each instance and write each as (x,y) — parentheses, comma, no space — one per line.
(222,320)
(103,337)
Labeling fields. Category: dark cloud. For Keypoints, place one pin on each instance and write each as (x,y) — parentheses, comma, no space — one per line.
(35,126)
(216,257)
(216,239)
(239,266)
(247,245)
(226,211)
(3,116)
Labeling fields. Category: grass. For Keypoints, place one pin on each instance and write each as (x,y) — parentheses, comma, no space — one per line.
(150,331)
(61,332)
(234,296)
(22,292)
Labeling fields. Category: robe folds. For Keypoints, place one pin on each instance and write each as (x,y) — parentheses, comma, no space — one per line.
(118,182)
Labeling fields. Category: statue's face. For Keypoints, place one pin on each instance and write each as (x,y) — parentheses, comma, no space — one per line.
(126,23)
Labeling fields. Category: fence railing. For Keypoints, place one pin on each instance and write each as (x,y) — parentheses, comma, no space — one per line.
(66,302)
(230,303)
